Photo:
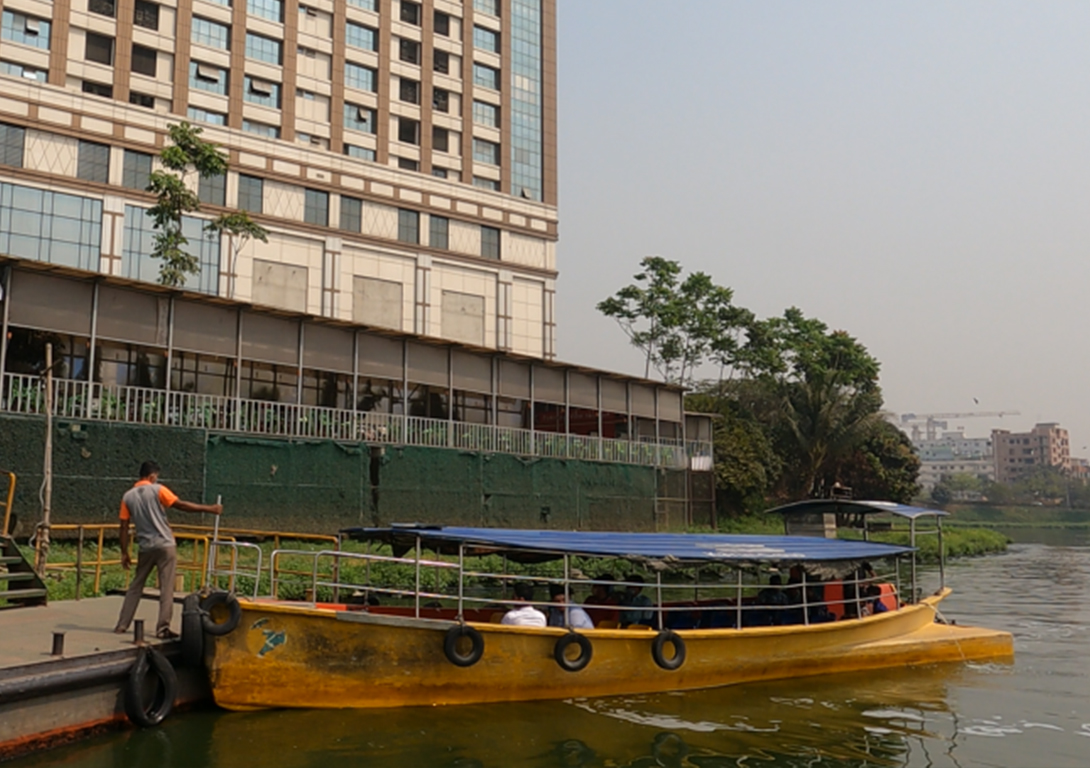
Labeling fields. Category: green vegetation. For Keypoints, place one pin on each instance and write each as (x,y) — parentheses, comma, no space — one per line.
(187,153)
(798,405)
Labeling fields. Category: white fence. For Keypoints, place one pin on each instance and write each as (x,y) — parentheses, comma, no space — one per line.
(136,405)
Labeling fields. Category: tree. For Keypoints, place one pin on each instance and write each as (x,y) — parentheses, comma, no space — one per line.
(187,154)
(678,324)
(240,230)
(884,467)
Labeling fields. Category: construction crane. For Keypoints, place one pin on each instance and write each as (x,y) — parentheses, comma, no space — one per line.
(934,421)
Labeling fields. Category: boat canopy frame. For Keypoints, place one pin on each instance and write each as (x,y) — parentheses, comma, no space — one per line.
(851,513)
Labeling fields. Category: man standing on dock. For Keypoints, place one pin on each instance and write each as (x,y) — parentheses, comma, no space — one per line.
(145,505)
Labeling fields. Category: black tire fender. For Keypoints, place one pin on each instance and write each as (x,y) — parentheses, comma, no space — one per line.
(213,601)
(658,646)
(586,651)
(450,646)
(148,714)
(192,631)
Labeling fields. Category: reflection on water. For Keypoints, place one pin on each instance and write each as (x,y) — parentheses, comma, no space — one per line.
(1036,712)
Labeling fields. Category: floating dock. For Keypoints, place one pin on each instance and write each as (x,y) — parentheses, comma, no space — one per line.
(47,699)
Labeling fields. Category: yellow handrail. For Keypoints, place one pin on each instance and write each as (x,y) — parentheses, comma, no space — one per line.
(10,499)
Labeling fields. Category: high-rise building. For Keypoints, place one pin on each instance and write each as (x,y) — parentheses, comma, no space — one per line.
(401,154)
(1018,453)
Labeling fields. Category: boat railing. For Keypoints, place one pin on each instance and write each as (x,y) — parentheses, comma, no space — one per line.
(743,602)
(228,574)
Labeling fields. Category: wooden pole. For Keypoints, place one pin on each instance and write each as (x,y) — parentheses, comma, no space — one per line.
(41,538)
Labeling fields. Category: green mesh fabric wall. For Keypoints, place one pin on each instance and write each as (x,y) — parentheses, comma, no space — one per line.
(313,486)
(439,486)
(319,486)
(93,464)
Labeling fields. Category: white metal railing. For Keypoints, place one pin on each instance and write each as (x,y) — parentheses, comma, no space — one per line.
(25,394)
(744,601)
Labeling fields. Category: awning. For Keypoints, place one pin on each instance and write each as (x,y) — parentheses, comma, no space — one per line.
(850,506)
(672,548)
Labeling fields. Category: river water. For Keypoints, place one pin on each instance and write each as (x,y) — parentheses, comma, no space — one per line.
(1035,712)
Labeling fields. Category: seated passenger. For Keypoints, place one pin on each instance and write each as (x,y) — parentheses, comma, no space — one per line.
(775,599)
(637,603)
(523,614)
(602,594)
(565,615)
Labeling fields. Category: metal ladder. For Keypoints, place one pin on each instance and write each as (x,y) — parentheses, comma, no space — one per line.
(19,585)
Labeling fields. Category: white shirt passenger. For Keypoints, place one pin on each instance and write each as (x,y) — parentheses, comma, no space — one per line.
(524,616)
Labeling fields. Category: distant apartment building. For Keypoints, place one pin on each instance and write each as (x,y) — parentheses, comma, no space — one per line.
(954,454)
(1019,453)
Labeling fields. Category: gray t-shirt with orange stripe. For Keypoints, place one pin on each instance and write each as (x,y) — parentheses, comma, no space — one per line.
(145,504)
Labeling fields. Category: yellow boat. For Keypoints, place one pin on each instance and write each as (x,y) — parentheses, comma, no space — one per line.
(443,645)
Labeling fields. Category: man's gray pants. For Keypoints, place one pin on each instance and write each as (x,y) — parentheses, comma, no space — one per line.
(165,561)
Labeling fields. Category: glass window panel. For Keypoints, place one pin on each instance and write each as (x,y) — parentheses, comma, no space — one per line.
(28,30)
(486,114)
(408,226)
(490,242)
(363,153)
(146,15)
(359,76)
(212,189)
(360,36)
(486,77)
(273,10)
(351,214)
(486,39)
(211,33)
(251,193)
(316,208)
(136,170)
(261,48)
(439,232)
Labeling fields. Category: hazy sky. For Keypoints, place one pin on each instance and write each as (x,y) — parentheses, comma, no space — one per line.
(915,173)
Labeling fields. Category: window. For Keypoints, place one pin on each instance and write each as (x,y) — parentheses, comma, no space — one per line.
(261,48)
(486,39)
(440,100)
(12,141)
(486,114)
(483,183)
(28,30)
(19,70)
(439,232)
(208,78)
(367,5)
(273,10)
(136,170)
(359,118)
(410,90)
(363,153)
(99,49)
(102,7)
(410,13)
(358,76)
(261,129)
(406,164)
(442,24)
(212,189)
(50,226)
(439,173)
(204,116)
(441,61)
(486,77)
(97,89)
(258,91)
(488,7)
(351,214)
(94,162)
(142,100)
(486,152)
(316,208)
(409,51)
(360,36)
(490,242)
(146,15)
(251,193)
(144,60)
(137,264)
(408,130)
(206,32)
(440,139)
(408,226)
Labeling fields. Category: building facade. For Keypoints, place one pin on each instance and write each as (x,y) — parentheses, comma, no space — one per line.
(402,155)
(1019,453)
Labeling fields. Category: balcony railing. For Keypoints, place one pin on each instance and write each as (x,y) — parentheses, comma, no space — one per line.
(25,394)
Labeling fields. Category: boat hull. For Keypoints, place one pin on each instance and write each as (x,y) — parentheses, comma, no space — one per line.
(294,656)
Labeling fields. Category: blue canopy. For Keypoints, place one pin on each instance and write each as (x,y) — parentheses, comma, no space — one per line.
(849,506)
(680,548)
